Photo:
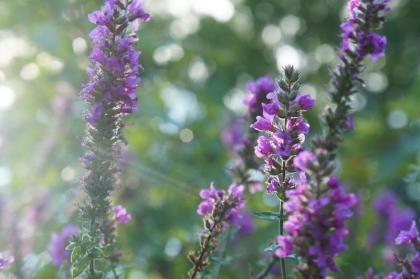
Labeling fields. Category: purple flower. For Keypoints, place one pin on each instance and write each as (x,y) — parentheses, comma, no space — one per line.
(58,243)
(302,159)
(410,266)
(245,222)
(271,108)
(350,122)
(95,113)
(272,185)
(219,202)
(5,261)
(299,125)
(205,207)
(236,191)
(305,101)
(283,143)
(262,124)
(410,236)
(234,136)
(136,9)
(285,246)
(103,16)
(121,214)
(371,43)
(352,5)
(392,216)
(263,147)
(257,94)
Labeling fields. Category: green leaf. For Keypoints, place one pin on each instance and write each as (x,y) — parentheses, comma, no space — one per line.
(271,248)
(75,254)
(71,246)
(294,258)
(266,215)
(80,266)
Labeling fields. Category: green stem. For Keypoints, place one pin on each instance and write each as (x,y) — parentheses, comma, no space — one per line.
(281,210)
(114,272)
(281,231)
(92,267)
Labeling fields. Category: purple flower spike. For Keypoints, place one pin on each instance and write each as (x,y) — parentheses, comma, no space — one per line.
(355,39)
(113,53)
(219,209)
(316,225)
(283,125)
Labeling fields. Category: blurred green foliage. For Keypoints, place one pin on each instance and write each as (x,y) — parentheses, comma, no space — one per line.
(197,57)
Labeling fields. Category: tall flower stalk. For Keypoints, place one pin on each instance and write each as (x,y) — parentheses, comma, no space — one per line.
(358,40)
(219,210)
(319,205)
(284,128)
(111,94)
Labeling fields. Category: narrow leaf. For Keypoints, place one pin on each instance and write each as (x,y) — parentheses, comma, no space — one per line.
(266,215)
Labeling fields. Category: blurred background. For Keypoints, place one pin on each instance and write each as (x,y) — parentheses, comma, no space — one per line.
(197,57)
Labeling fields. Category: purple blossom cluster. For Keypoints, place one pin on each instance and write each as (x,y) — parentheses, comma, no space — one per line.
(231,203)
(284,128)
(113,74)
(121,214)
(355,39)
(410,267)
(358,40)
(316,222)
(219,209)
(392,219)
(59,242)
(219,205)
